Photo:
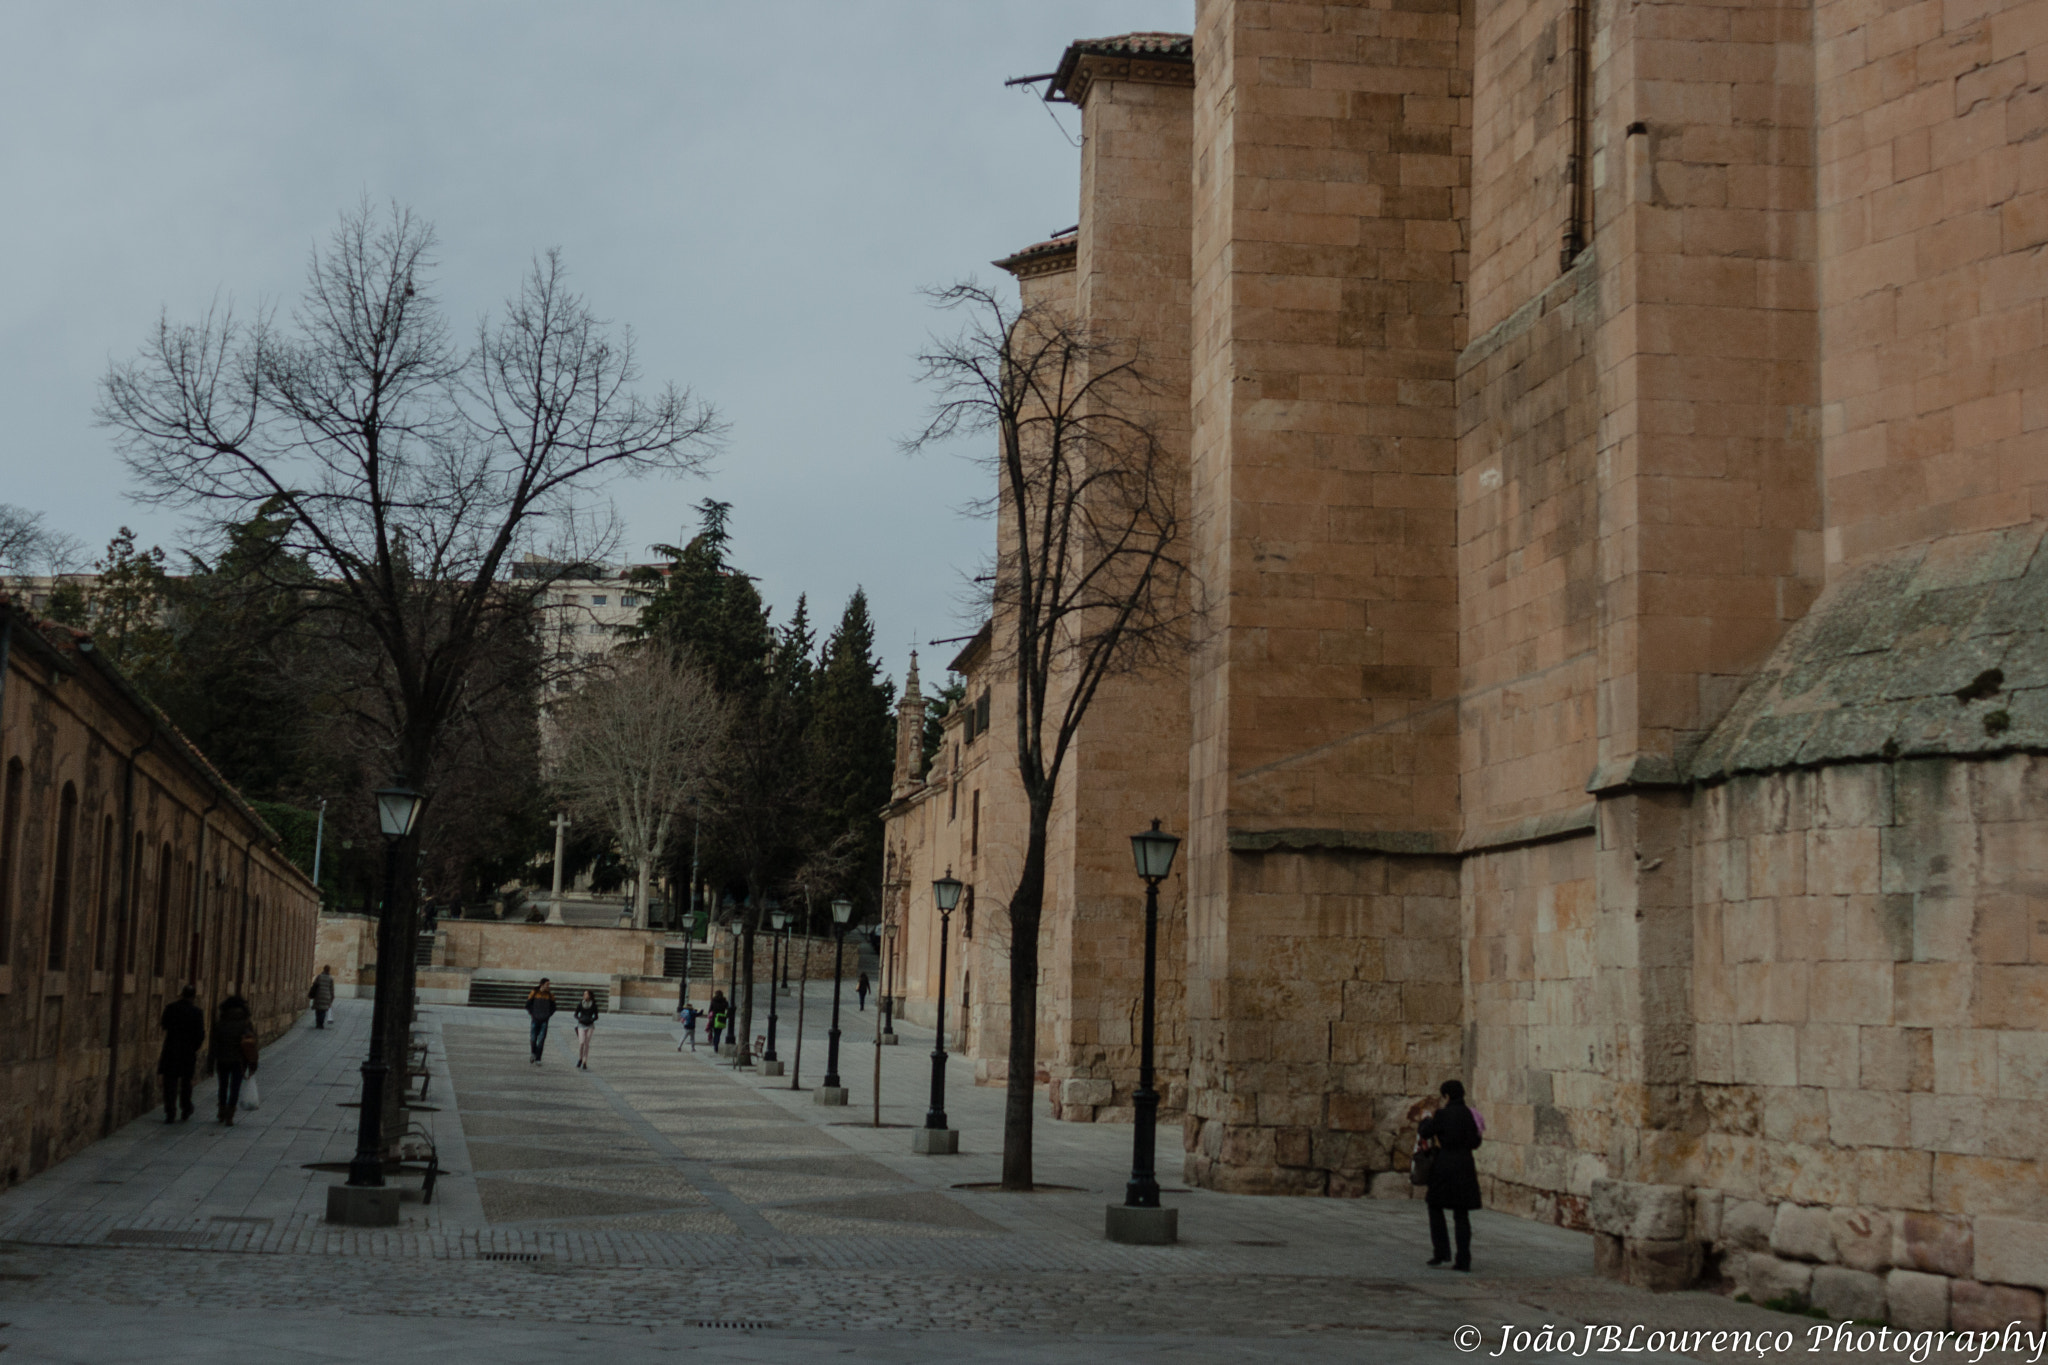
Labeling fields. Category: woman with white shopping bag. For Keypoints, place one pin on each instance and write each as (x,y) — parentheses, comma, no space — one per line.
(233,1048)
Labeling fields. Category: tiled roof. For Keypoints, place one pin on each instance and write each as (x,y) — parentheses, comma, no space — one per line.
(1041,258)
(1159,57)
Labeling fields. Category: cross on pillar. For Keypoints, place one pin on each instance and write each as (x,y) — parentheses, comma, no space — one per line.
(555,907)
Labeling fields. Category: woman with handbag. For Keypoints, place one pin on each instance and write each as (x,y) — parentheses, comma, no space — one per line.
(233,1049)
(1444,1147)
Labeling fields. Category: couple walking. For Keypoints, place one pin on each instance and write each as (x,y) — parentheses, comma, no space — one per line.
(233,1053)
(540,1007)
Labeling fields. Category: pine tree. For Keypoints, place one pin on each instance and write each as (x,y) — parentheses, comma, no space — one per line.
(853,746)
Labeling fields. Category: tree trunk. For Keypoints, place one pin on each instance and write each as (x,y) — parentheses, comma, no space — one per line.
(1027,906)
(644,875)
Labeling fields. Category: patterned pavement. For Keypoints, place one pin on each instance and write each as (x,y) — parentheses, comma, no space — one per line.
(662,1203)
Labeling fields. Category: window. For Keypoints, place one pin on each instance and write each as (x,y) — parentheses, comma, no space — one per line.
(967,919)
(599,600)
(974,829)
(60,877)
(164,870)
(106,897)
(981,709)
(630,600)
(131,909)
(10,835)
(569,599)
(194,943)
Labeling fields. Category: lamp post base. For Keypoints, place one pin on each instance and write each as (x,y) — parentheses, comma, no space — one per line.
(935,1142)
(888,1040)
(728,1049)
(771,1068)
(363,1206)
(829,1094)
(1141,1227)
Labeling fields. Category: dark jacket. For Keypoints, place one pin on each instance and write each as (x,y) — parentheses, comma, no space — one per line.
(322,992)
(1453,1179)
(230,1027)
(586,1015)
(541,1004)
(184,1026)
(721,1009)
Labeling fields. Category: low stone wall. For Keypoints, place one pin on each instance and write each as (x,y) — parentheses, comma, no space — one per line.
(1913,1270)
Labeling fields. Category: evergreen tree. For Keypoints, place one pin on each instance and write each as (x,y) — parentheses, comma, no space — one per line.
(853,746)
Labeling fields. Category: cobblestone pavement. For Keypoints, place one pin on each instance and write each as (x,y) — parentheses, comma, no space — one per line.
(663,1203)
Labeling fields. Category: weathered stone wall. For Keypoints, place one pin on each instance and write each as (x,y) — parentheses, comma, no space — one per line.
(169,878)
(1933,199)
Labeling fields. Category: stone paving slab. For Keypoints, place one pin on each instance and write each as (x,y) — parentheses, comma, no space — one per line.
(667,1189)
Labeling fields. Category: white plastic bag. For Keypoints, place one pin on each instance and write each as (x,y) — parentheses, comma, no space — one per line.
(252,1098)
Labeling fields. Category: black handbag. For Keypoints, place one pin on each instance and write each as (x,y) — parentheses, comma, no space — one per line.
(1420,1165)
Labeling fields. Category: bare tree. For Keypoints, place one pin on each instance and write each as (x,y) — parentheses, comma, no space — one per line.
(29,547)
(410,472)
(636,745)
(1088,580)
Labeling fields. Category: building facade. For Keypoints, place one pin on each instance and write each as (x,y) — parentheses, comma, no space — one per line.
(128,869)
(1617,457)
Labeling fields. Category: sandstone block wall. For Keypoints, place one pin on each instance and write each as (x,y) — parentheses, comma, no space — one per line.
(128,869)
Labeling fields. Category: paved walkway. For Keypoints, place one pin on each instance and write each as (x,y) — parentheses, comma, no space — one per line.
(662,1202)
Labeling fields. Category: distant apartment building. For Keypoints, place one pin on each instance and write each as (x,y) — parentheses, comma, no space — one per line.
(586,610)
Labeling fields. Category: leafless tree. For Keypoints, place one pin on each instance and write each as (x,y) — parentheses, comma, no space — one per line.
(28,546)
(412,472)
(1088,580)
(636,745)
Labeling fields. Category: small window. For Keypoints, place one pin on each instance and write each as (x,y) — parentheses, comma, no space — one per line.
(981,709)
(974,830)
(60,878)
(629,600)
(599,600)
(967,920)
(100,932)
(10,834)
(570,599)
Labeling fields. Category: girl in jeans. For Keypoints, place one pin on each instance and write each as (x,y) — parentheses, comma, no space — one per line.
(233,1049)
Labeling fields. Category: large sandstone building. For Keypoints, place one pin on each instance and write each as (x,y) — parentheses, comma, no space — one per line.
(1616,442)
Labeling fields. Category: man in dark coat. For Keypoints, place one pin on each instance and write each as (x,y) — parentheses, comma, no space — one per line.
(184,1026)
(1453,1178)
(720,1015)
(540,1007)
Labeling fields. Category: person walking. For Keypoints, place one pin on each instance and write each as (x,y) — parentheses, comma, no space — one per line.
(322,996)
(687,1017)
(1451,1135)
(721,1015)
(862,990)
(184,1026)
(540,1007)
(234,1053)
(586,1020)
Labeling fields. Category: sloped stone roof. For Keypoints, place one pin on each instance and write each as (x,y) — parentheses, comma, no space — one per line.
(1048,257)
(1937,650)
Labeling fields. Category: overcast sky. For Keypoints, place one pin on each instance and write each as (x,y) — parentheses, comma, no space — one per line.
(758,187)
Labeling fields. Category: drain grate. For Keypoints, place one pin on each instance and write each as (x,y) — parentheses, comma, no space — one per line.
(788,1260)
(509,1256)
(733,1324)
(1259,1244)
(239,1218)
(150,1237)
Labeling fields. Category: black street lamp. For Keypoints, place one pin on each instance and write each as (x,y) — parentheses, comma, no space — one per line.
(946,895)
(1153,852)
(842,911)
(778,918)
(398,807)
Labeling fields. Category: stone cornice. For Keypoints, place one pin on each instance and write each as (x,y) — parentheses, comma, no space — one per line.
(1040,258)
(1151,58)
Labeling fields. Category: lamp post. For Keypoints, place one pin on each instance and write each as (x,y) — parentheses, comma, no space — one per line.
(832,1092)
(778,920)
(364,1200)
(936,1138)
(732,1001)
(1139,1218)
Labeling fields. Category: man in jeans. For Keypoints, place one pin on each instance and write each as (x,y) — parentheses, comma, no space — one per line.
(540,1007)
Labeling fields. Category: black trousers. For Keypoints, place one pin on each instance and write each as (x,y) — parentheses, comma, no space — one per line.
(177,1095)
(1440,1237)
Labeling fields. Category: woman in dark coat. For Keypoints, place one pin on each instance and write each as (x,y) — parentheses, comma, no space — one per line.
(1453,1178)
(234,1052)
